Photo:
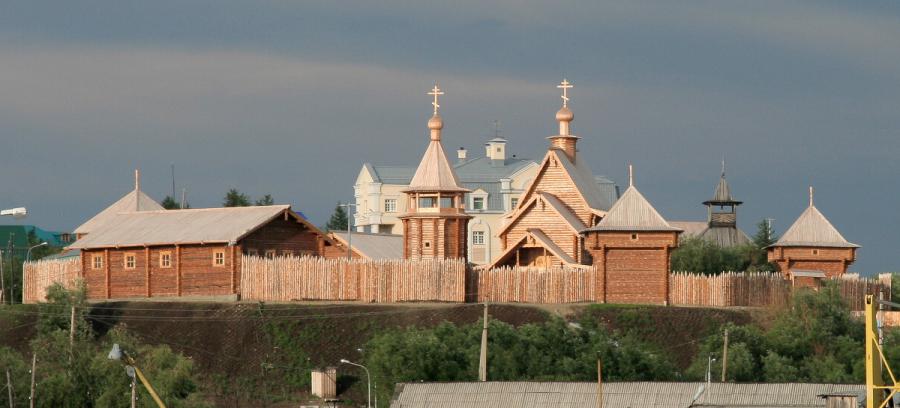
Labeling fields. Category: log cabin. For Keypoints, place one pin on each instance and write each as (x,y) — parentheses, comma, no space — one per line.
(812,249)
(631,248)
(190,252)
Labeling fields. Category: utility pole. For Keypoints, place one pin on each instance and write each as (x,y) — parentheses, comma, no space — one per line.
(134,392)
(599,383)
(349,231)
(33,367)
(725,355)
(12,265)
(2,279)
(9,387)
(482,362)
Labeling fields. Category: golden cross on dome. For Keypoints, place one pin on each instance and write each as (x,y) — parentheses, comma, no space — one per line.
(436,92)
(565,86)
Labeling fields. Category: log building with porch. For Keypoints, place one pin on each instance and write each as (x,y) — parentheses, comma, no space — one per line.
(191,252)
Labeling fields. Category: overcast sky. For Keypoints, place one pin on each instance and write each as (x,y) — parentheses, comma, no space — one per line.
(291,97)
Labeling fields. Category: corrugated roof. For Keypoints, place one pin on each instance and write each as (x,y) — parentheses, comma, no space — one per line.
(135,200)
(690,228)
(615,395)
(435,172)
(632,212)
(373,246)
(813,229)
(206,225)
(724,237)
(483,169)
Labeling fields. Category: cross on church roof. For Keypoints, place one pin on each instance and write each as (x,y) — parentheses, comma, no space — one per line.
(565,86)
(436,92)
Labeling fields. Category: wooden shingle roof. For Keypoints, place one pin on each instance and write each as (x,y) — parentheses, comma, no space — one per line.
(135,200)
(191,226)
(813,229)
(632,212)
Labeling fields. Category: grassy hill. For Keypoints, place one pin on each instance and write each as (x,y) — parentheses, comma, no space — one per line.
(251,354)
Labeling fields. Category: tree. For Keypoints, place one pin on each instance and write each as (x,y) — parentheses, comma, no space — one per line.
(338,220)
(169,203)
(235,198)
(765,234)
(764,237)
(698,255)
(265,200)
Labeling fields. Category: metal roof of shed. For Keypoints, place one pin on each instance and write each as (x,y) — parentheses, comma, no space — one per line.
(135,200)
(203,225)
(615,395)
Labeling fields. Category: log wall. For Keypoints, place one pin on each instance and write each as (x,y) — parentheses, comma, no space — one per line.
(41,274)
(382,281)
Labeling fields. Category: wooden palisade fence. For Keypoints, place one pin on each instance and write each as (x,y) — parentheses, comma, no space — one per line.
(39,275)
(729,289)
(533,285)
(386,281)
(382,281)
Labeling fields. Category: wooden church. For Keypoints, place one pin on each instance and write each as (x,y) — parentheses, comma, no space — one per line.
(544,229)
(436,222)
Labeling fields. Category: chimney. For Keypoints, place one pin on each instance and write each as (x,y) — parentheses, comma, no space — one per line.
(461,154)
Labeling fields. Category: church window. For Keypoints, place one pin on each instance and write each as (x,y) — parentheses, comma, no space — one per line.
(815,251)
(427,244)
(390,205)
(634,237)
(477,237)
(270,254)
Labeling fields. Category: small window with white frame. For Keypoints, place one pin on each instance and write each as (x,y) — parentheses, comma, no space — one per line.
(165,259)
(390,205)
(219,258)
(130,260)
(477,237)
(478,203)
(513,203)
(97,261)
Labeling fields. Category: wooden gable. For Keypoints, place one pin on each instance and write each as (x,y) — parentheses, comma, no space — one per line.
(553,177)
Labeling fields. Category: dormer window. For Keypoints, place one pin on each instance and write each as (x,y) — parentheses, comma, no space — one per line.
(478,203)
